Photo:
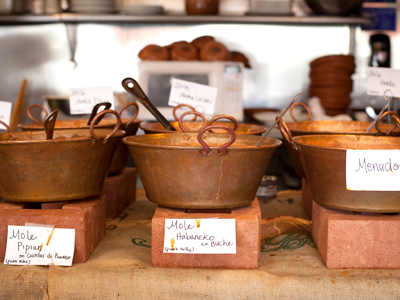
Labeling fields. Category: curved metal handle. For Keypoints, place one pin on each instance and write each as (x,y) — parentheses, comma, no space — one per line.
(222,150)
(8,129)
(133,88)
(395,119)
(49,124)
(306,108)
(287,134)
(180,121)
(100,115)
(95,110)
(234,121)
(184,105)
(134,115)
(28,111)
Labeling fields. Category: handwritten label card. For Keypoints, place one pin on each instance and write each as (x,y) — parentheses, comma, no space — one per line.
(202,97)
(39,246)
(5,113)
(200,236)
(373,170)
(82,100)
(383,81)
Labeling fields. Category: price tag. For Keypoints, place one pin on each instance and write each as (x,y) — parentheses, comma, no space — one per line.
(200,236)
(382,80)
(82,100)
(373,170)
(39,246)
(5,113)
(202,97)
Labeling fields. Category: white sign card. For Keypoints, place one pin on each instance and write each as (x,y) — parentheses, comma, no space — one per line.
(383,82)
(39,246)
(200,236)
(373,170)
(5,113)
(82,100)
(202,97)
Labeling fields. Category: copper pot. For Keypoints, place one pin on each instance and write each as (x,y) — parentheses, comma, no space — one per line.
(73,164)
(130,126)
(193,170)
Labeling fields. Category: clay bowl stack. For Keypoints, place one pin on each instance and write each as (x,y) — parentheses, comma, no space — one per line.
(331,82)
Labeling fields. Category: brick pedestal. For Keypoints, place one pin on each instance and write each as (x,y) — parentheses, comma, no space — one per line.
(248,227)
(120,191)
(345,240)
(87,217)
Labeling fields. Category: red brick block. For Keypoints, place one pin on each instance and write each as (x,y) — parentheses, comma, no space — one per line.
(87,217)
(248,245)
(345,240)
(120,191)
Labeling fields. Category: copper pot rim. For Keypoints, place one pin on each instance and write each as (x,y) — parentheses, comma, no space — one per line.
(140,141)
(101,133)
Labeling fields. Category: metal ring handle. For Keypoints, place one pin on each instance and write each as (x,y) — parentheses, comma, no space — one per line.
(222,150)
(180,121)
(235,123)
(134,115)
(287,134)
(100,115)
(395,118)
(183,105)
(8,129)
(306,108)
(95,110)
(30,115)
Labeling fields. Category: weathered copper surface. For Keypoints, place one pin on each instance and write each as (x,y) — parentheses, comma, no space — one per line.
(324,161)
(174,175)
(70,166)
(156,127)
(121,153)
(329,127)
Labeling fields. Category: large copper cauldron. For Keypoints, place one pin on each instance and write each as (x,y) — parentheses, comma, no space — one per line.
(201,170)
(72,164)
(300,128)
(324,160)
(192,126)
(130,126)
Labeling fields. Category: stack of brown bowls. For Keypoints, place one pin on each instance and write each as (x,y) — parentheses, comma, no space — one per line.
(331,82)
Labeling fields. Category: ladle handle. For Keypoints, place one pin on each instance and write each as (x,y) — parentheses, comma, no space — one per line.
(95,110)
(8,129)
(28,111)
(395,119)
(287,134)
(101,115)
(134,115)
(234,121)
(183,105)
(137,92)
(222,150)
(49,124)
(196,113)
(305,107)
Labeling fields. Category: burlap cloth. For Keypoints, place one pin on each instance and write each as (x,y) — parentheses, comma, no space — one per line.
(120,268)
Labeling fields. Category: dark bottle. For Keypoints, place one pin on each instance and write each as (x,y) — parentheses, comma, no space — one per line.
(380,50)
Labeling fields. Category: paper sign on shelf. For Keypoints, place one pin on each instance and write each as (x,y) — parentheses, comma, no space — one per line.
(200,236)
(82,100)
(5,113)
(39,246)
(373,170)
(202,97)
(383,82)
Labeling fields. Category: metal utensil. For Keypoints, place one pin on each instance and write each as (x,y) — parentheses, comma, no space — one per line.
(49,124)
(278,118)
(389,100)
(133,88)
